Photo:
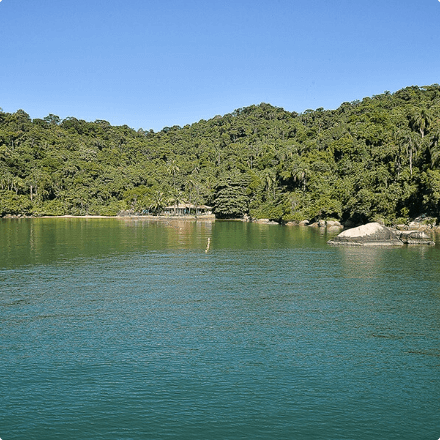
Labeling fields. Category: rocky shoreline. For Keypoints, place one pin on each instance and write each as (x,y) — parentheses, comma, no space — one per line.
(375,234)
(420,224)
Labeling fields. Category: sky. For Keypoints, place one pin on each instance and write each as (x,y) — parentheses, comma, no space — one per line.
(156,63)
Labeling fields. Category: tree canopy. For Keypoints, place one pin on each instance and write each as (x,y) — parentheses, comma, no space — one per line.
(378,158)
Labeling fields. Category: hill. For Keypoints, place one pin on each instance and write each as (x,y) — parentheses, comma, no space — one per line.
(375,159)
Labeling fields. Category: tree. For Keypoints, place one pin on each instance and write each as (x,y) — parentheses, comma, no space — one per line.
(173,169)
(298,169)
(368,158)
(11,203)
(230,198)
(419,120)
(269,178)
(434,146)
(411,144)
(52,119)
(158,202)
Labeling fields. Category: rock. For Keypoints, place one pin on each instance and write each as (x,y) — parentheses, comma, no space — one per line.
(321,223)
(414,225)
(401,227)
(331,223)
(422,222)
(334,228)
(374,234)
(367,235)
(292,223)
(266,221)
(419,227)
(415,237)
(304,223)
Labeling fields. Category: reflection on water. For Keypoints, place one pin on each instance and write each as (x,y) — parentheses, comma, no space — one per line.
(121,328)
(41,241)
(366,262)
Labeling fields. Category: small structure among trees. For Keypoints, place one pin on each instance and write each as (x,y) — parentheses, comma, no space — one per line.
(182,209)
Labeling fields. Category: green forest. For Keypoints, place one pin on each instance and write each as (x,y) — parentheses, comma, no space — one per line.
(375,159)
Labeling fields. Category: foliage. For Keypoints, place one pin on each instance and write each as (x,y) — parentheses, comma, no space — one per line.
(369,159)
(230,199)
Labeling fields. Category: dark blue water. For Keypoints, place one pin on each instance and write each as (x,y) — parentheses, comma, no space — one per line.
(129,330)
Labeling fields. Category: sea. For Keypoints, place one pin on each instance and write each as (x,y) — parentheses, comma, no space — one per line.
(137,329)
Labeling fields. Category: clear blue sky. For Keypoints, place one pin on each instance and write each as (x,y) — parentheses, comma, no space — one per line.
(156,63)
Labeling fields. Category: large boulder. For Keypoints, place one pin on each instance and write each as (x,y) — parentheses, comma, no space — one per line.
(369,234)
(374,234)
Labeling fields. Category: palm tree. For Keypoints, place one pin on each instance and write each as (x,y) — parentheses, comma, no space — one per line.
(397,141)
(420,121)
(172,169)
(412,146)
(434,147)
(410,143)
(177,196)
(300,172)
(158,201)
(297,170)
(270,179)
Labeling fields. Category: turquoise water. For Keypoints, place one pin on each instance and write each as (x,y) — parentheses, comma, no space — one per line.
(127,329)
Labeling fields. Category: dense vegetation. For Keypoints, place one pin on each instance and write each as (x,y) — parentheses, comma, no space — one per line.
(378,158)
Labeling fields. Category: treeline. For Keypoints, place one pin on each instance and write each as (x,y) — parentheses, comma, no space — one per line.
(378,158)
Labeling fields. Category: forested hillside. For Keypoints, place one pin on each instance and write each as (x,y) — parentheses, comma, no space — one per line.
(378,158)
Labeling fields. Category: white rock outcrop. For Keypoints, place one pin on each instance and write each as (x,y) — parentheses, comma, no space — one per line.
(375,234)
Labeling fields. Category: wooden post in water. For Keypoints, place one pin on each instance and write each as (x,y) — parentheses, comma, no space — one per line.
(207,246)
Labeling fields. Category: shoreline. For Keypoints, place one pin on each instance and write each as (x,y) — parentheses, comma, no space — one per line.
(330,225)
(121,217)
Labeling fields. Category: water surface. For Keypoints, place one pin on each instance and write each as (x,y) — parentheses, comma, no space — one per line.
(127,329)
